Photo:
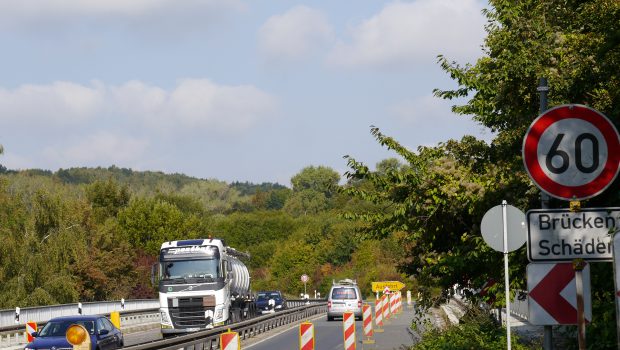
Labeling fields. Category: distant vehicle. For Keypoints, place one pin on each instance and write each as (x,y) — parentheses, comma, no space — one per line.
(270,301)
(344,296)
(202,284)
(103,334)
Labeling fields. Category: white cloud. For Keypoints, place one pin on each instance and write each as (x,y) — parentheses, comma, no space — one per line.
(58,102)
(432,120)
(422,110)
(30,9)
(409,33)
(194,104)
(294,34)
(100,148)
(143,15)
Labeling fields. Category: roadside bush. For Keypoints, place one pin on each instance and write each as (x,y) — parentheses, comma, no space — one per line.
(476,331)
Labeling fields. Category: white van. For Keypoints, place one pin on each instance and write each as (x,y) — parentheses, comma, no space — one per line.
(344,296)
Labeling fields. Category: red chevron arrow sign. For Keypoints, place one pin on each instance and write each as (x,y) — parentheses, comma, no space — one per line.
(553,296)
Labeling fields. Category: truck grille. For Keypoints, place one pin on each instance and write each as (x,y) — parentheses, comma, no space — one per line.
(190,313)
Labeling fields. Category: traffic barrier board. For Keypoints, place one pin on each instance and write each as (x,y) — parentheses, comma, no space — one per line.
(379,314)
(348,325)
(553,296)
(31,327)
(386,307)
(306,336)
(230,341)
(367,322)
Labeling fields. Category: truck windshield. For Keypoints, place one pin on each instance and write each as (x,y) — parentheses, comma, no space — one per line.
(198,268)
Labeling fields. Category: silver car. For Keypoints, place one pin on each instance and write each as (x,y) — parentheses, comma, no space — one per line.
(344,296)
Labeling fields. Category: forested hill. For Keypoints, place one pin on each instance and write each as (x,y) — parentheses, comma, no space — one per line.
(83,234)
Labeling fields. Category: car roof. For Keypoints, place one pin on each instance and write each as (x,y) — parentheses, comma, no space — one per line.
(76,318)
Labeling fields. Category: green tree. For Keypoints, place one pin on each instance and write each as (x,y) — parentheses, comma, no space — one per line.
(320,179)
(107,198)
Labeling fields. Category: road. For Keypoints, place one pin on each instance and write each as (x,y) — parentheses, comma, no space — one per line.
(329,335)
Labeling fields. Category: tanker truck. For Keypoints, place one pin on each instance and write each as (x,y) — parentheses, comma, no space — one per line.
(202,284)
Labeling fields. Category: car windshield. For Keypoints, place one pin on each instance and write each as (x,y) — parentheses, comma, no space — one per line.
(273,295)
(344,293)
(200,268)
(59,328)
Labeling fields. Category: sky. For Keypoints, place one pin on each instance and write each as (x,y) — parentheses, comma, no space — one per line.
(233,90)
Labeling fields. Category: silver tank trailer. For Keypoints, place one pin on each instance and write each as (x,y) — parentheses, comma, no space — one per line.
(240,283)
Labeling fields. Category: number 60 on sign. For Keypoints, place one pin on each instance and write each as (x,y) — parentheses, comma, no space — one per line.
(572,152)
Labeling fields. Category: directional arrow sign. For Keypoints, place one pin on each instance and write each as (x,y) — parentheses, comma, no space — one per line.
(392,285)
(553,295)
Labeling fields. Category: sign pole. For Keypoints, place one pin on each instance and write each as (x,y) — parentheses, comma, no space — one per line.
(506,277)
(616,254)
(543,89)
(578,266)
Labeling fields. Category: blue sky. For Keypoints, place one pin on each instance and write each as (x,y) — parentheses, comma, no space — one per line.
(231,90)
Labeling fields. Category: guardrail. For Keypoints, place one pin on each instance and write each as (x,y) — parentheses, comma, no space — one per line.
(14,334)
(44,313)
(209,339)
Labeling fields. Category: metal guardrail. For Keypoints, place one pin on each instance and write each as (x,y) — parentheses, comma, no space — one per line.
(44,313)
(209,339)
(15,333)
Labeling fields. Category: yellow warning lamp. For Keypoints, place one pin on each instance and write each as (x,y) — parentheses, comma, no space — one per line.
(78,336)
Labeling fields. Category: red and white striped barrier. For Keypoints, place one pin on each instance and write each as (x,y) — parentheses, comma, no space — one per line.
(31,327)
(393,304)
(367,324)
(348,325)
(230,341)
(379,313)
(306,336)
(399,302)
(386,307)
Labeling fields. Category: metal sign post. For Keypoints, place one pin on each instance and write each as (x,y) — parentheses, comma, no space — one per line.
(495,225)
(616,253)
(579,265)
(506,277)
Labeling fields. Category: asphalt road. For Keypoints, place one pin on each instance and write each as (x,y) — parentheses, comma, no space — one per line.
(329,335)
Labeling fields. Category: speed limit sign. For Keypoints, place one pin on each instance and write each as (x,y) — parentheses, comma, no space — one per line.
(572,152)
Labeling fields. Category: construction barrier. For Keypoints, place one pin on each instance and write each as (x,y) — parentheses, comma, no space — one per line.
(386,307)
(31,327)
(367,324)
(348,330)
(399,302)
(379,315)
(306,336)
(392,299)
(409,303)
(115,318)
(230,341)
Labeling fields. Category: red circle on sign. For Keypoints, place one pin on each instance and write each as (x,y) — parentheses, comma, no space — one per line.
(554,188)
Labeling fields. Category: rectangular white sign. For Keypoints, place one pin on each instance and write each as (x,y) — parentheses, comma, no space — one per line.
(562,235)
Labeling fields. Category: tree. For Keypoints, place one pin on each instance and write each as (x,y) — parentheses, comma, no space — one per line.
(440,199)
(107,198)
(320,179)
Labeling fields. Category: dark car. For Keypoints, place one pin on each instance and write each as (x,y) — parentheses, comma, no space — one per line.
(270,301)
(103,334)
